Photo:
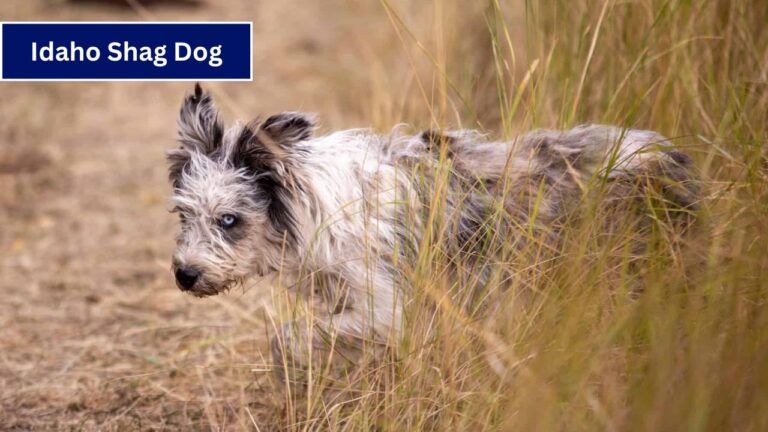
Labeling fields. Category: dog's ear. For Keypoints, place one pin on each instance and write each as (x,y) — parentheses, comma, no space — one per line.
(268,150)
(199,126)
(288,128)
(271,145)
(200,130)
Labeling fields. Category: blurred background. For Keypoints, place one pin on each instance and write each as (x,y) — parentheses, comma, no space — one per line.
(94,334)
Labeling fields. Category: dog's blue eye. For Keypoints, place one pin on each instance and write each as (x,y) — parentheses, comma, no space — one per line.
(228,221)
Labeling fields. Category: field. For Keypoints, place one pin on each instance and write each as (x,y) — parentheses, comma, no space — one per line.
(95,336)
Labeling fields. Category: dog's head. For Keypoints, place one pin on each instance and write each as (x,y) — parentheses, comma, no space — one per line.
(235,193)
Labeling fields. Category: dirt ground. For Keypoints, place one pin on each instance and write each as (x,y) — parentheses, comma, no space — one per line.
(93,332)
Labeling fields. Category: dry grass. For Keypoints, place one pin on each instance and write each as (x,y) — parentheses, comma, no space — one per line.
(95,336)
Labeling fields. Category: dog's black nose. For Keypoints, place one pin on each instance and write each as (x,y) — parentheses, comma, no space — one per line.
(186,277)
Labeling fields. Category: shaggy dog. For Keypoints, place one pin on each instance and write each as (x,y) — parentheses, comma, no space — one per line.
(343,216)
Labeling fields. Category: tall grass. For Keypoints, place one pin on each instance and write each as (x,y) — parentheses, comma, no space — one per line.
(593,335)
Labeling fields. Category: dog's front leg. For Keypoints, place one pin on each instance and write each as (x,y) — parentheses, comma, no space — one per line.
(320,341)
(346,323)
(296,348)
(308,343)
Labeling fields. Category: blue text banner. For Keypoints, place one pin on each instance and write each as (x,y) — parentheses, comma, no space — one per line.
(126,51)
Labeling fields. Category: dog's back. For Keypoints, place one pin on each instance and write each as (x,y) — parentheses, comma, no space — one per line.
(551,168)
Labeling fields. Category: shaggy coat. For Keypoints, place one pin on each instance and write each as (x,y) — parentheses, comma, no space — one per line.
(342,216)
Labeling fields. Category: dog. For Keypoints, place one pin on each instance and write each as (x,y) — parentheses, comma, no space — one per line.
(343,216)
